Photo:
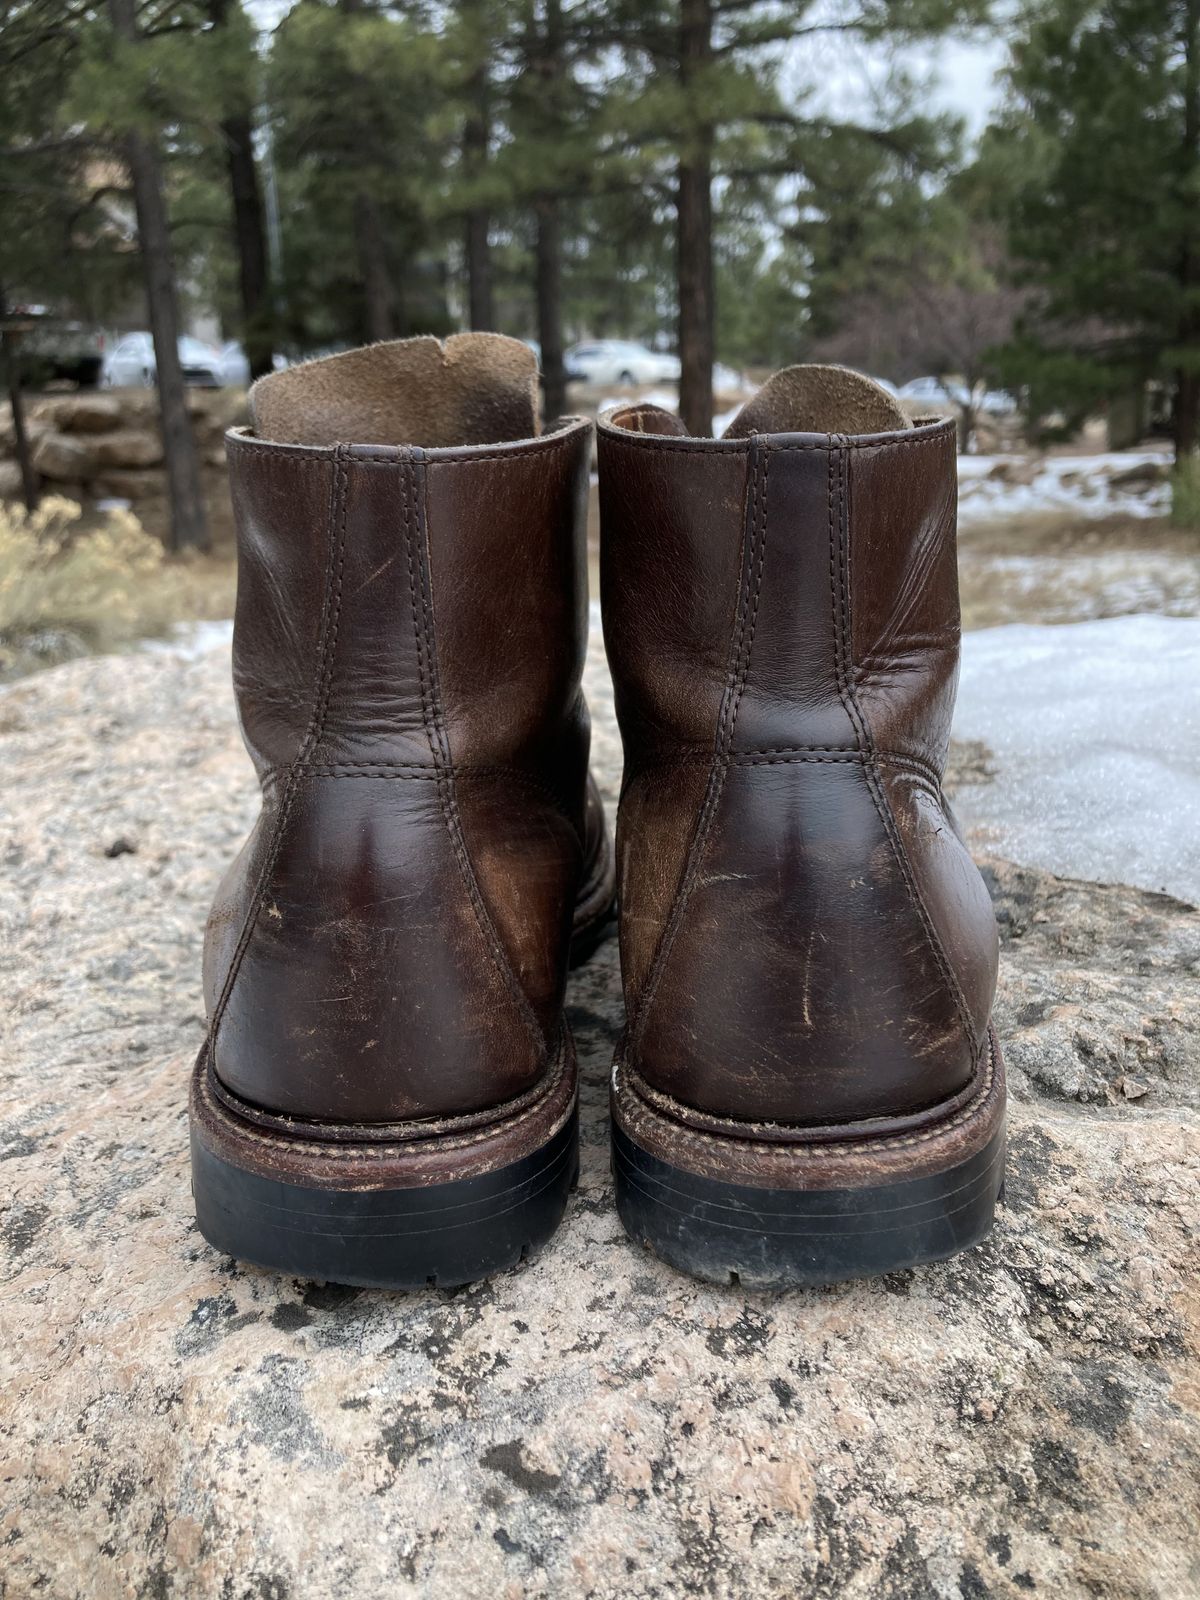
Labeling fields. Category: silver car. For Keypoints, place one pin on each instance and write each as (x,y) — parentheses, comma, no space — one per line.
(619,361)
(131,364)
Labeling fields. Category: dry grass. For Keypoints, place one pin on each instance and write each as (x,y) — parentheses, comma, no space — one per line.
(71,586)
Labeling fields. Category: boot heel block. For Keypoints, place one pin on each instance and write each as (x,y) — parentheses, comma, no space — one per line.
(431,1213)
(821,1220)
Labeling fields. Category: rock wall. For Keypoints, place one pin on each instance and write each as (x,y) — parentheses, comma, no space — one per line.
(107,446)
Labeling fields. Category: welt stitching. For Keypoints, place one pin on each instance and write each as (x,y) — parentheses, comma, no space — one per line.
(330,607)
(750,588)
(348,1153)
(874,782)
(440,747)
(906,1141)
(933,1117)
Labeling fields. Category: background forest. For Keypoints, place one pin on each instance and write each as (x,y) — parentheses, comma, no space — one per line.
(695,175)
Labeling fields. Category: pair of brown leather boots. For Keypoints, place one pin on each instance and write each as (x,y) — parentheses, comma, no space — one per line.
(808,1087)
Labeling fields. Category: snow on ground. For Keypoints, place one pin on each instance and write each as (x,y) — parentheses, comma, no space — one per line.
(991,488)
(1095,733)
(193,639)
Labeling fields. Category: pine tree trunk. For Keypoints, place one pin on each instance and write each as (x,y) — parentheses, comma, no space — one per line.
(12,380)
(694,232)
(549,306)
(188,527)
(370,248)
(249,227)
(250,236)
(548,70)
(481,314)
(1187,383)
(378,300)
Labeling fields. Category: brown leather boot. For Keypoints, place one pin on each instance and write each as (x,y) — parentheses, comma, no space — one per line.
(387,1092)
(808,1088)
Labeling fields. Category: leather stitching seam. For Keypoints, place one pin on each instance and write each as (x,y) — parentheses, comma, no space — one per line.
(732,447)
(750,587)
(786,754)
(843,636)
(416,532)
(330,616)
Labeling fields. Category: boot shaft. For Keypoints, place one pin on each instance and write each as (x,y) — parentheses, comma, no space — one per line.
(408,651)
(804,938)
(376,584)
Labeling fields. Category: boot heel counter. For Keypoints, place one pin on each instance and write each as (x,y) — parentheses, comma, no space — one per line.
(362,988)
(801,977)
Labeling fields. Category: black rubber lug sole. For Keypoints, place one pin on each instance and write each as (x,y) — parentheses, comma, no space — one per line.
(436,1236)
(783,1238)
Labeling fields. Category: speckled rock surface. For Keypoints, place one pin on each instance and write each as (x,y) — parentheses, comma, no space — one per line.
(1023,1420)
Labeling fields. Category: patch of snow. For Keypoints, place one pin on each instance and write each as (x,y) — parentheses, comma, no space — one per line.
(1082,484)
(191,640)
(1095,731)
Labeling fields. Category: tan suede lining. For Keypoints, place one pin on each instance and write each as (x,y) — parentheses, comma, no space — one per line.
(818,400)
(476,388)
(797,400)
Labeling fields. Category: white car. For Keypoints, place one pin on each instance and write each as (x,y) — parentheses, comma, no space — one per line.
(235,366)
(130,364)
(933,391)
(991,402)
(611,361)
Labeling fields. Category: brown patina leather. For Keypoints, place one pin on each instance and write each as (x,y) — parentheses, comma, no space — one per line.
(391,944)
(805,941)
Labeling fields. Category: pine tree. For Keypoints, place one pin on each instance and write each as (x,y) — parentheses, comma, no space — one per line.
(709,100)
(354,95)
(1101,147)
(235,83)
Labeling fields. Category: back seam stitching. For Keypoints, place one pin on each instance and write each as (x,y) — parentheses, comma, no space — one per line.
(440,749)
(330,616)
(750,588)
(871,767)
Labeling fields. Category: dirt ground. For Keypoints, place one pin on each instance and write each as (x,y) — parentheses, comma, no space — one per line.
(1056,567)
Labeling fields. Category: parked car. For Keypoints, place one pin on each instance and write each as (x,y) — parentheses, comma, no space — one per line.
(51,349)
(608,361)
(997,403)
(131,363)
(235,366)
(933,391)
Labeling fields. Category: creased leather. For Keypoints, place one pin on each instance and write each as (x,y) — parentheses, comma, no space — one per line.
(805,939)
(392,941)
